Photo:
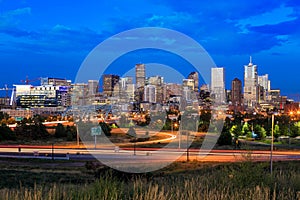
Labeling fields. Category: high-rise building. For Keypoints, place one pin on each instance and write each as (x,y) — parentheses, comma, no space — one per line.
(189,83)
(264,82)
(186,93)
(109,82)
(140,75)
(93,87)
(250,84)
(79,94)
(28,96)
(195,77)
(150,93)
(236,93)
(158,81)
(126,89)
(218,84)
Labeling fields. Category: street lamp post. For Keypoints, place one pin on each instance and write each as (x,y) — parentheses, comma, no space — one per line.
(134,147)
(77,135)
(179,139)
(272,145)
(187,147)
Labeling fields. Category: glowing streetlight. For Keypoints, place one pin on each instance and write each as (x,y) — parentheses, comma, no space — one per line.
(175,126)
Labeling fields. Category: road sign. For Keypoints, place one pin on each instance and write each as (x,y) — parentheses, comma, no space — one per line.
(96,130)
(18,119)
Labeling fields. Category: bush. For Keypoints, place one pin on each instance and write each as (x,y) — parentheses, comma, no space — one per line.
(105,128)
(225,137)
(60,131)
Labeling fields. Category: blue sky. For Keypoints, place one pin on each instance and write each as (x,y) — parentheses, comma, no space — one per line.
(52,38)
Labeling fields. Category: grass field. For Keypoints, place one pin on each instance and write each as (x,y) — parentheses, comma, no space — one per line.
(41,179)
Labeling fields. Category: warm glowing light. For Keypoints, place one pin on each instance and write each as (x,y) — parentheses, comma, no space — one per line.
(291,113)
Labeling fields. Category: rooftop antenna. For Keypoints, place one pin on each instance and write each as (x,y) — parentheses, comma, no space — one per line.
(250,60)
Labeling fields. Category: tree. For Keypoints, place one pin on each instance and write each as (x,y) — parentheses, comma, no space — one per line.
(60,131)
(4,115)
(69,134)
(225,137)
(105,128)
(114,126)
(295,129)
(276,131)
(236,130)
(246,129)
(6,133)
(260,131)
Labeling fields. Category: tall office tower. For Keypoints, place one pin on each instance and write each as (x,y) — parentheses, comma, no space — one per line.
(150,93)
(109,82)
(79,94)
(130,91)
(93,87)
(236,92)
(171,89)
(186,93)
(140,75)
(158,81)
(250,84)
(218,84)
(195,77)
(125,81)
(189,83)
(264,82)
(126,89)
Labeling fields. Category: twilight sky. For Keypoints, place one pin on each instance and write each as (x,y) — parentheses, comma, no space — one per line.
(51,38)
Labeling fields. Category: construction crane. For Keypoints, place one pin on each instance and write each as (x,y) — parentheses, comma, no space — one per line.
(27,81)
(6,89)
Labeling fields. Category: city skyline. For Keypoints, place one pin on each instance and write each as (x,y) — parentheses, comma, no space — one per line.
(217,83)
(38,43)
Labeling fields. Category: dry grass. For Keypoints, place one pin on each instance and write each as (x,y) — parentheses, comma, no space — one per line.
(246,180)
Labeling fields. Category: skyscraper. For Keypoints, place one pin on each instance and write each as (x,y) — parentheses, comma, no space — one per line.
(189,83)
(127,89)
(218,84)
(195,77)
(158,82)
(250,84)
(265,83)
(140,75)
(93,87)
(150,93)
(109,82)
(236,93)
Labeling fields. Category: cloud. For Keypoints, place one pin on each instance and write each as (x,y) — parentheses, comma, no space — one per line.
(57,39)
(284,28)
(175,19)
(219,26)
(9,17)
(19,11)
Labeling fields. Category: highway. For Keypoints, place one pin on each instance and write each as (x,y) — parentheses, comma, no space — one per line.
(143,154)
